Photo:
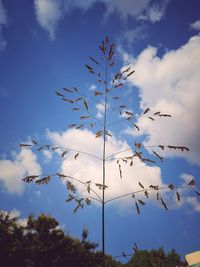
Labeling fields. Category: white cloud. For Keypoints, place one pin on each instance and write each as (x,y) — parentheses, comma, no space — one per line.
(100,110)
(3,22)
(196,25)
(186,178)
(126,8)
(155,12)
(12,171)
(192,201)
(48,155)
(48,13)
(15,214)
(170,84)
(89,168)
(69,5)
(135,34)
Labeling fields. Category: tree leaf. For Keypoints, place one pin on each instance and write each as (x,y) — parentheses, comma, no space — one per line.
(72,125)
(118,85)
(60,175)
(182,148)
(88,67)
(30,178)
(78,99)
(146,194)
(44,180)
(141,202)
(128,75)
(163,203)
(64,153)
(68,100)
(77,154)
(126,70)
(96,93)
(98,134)
(178,196)
(152,119)
(94,60)
(138,145)
(85,104)
(171,186)
(88,201)
(59,94)
(70,198)
(71,187)
(68,90)
(192,182)
(198,193)
(108,133)
(136,126)
(146,111)
(79,126)
(141,185)
(75,89)
(120,171)
(137,208)
(84,117)
(24,145)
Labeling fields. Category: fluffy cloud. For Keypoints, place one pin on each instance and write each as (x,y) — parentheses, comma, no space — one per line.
(48,13)
(171,84)
(90,168)
(196,25)
(3,21)
(11,171)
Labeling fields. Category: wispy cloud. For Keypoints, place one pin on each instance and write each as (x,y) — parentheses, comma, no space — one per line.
(171,84)
(3,22)
(155,12)
(49,13)
(12,171)
(195,25)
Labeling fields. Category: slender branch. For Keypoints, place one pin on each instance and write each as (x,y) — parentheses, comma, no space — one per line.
(128,149)
(144,190)
(70,149)
(82,152)
(117,121)
(104,156)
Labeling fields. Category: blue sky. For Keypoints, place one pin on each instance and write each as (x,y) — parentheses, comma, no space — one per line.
(44,45)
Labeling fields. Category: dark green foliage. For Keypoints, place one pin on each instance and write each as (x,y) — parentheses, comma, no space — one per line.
(41,243)
(155,258)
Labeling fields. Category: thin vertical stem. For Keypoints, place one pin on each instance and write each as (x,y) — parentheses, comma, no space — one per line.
(104,159)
